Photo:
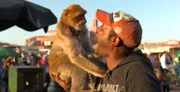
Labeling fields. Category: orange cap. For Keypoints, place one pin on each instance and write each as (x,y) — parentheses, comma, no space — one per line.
(125,26)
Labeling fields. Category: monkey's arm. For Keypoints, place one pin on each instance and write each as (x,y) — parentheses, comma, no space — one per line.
(85,40)
(75,52)
(87,45)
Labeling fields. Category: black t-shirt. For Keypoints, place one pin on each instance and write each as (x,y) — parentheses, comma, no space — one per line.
(134,74)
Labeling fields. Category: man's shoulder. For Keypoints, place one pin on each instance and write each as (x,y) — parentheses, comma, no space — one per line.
(137,55)
(137,61)
(137,58)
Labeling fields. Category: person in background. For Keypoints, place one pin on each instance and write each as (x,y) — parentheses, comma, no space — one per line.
(157,68)
(7,64)
(33,60)
(43,60)
(164,59)
(177,70)
(1,71)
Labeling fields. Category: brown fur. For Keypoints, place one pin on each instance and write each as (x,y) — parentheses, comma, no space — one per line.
(71,51)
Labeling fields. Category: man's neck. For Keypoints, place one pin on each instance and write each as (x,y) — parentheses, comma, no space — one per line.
(113,61)
(116,56)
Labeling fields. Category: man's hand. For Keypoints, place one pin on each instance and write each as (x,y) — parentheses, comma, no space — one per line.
(65,85)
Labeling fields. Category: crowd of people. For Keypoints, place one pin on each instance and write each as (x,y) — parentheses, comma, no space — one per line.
(36,60)
(166,69)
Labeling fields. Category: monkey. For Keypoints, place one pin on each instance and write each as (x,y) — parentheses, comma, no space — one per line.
(72,56)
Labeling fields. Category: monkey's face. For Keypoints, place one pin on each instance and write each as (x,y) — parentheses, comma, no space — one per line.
(79,22)
(74,16)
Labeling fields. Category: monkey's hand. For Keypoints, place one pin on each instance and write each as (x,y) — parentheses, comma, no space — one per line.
(97,61)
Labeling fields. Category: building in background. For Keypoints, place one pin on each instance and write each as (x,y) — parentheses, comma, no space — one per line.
(43,43)
(171,46)
(5,44)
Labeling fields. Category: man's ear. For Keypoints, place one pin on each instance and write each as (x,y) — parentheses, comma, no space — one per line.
(114,41)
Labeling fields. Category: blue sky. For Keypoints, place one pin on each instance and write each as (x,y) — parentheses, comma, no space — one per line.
(160,19)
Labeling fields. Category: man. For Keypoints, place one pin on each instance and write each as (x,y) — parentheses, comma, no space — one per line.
(177,69)
(130,70)
(164,60)
(33,60)
(164,63)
